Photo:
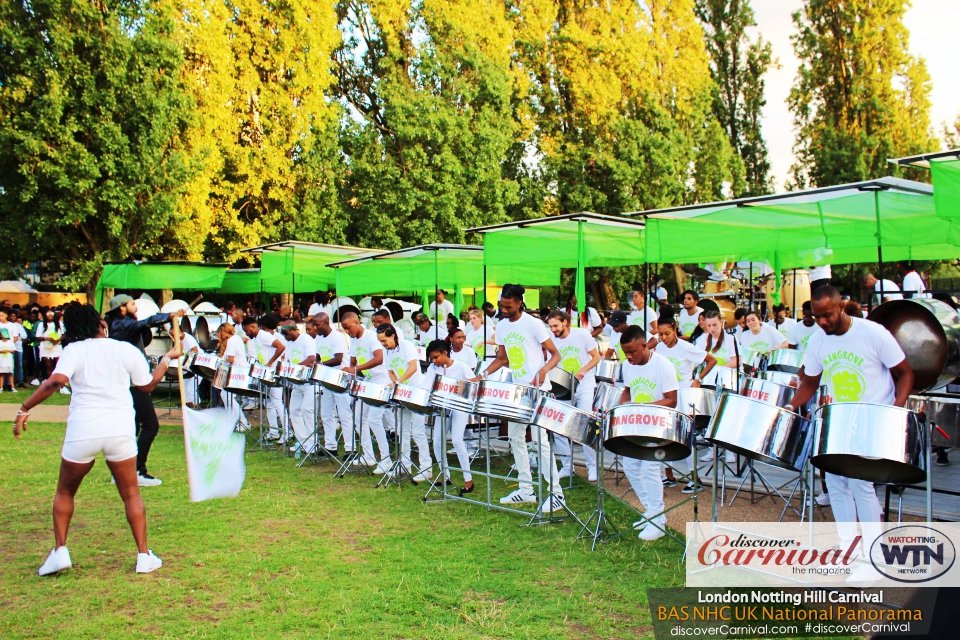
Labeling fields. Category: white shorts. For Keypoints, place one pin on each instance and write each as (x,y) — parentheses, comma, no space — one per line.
(115,449)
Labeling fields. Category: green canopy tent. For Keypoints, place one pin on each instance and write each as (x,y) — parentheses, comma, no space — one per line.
(430,267)
(944,168)
(883,219)
(183,276)
(293,266)
(241,281)
(573,241)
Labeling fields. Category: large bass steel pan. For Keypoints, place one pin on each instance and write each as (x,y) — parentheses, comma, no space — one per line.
(786,360)
(563,384)
(942,411)
(698,403)
(767,392)
(648,432)
(761,432)
(565,420)
(872,442)
(206,331)
(928,331)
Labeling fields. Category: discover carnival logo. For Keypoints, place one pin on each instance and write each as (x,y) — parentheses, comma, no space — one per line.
(750,551)
(913,553)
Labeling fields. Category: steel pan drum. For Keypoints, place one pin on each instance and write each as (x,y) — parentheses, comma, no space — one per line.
(186,360)
(266,375)
(609,395)
(928,331)
(205,365)
(240,381)
(335,380)
(761,432)
(502,374)
(563,383)
(206,331)
(767,392)
(752,360)
(221,376)
(295,373)
(376,395)
(454,395)
(872,442)
(188,324)
(699,403)
(416,399)
(780,377)
(786,360)
(507,401)
(608,371)
(942,411)
(726,378)
(648,432)
(565,420)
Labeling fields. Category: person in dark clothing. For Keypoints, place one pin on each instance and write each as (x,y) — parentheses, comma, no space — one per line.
(124,326)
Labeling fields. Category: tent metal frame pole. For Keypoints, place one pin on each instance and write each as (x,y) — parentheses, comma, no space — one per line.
(436,296)
(750,284)
(793,306)
(876,209)
(643,292)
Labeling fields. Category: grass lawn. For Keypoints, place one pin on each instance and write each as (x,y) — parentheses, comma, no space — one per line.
(301,554)
(17,397)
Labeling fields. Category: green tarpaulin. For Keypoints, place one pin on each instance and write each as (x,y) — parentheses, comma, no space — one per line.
(429,267)
(241,281)
(183,276)
(946,187)
(301,267)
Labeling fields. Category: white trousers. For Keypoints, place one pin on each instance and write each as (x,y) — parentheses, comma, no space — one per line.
(334,413)
(853,500)
(190,390)
(303,417)
(583,400)
(410,424)
(547,463)
(389,421)
(644,477)
(456,425)
(274,407)
(370,417)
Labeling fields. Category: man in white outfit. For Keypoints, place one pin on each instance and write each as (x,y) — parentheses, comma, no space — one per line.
(334,407)
(301,349)
(861,362)
(267,349)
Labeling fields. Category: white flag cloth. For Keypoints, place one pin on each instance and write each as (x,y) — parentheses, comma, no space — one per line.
(215,465)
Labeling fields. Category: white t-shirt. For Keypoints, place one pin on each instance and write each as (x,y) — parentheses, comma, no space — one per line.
(446,308)
(263,346)
(800,335)
(784,327)
(475,340)
(522,340)
(237,349)
(684,356)
(649,382)
(575,352)
(724,354)
(363,349)
(329,346)
(820,273)
(466,355)
(687,323)
(17,334)
(636,318)
(457,370)
(316,308)
(50,329)
(593,318)
(762,342)
(436,332)
(101,372)
(890,290)
(298,350)
(856,366)
(189,343)
(913,282)
(397,360)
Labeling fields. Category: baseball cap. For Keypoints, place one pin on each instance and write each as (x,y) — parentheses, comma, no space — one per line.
(617,318)
(118,301)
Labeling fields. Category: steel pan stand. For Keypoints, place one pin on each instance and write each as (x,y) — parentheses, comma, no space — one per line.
(319,452)
(598,526)
(539,517)
(442,476)
(398,472)
(347,465)
(261,443)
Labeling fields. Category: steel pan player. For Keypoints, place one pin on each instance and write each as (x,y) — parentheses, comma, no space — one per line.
(652,380)
(301,348)
(442,363)
(862,362)
(334,407)
(578,355)
(521,343)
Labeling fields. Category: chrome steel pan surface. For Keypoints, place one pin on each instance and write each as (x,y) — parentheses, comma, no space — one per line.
(760,431)
(648,432)
(780,377)
(506,400)
(266,375)
(335,380)
(376,395)
(240,381)
(698,403)
(942,411)
(609,395)
(453,394)
(563,384)
(608,371)
(767,392)
(786,360)
(565,420)
(416,399)
(872,442)
(205,364)
(294,373)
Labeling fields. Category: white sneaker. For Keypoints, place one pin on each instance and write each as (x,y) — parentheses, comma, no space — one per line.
(58,560)
(148,481)
(565,472)
(383,467)
(651,532)
(423,476)
(65,391)
(518,497)
(591,475)
(823,500)
(640,524)
(708,457)
(147,562)
(35,382)
(552,504)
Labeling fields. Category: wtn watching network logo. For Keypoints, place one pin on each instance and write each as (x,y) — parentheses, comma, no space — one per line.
(914,553)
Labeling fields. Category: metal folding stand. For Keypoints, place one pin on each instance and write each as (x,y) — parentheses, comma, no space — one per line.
(319,452)
(928,488)
(398,473)
(598,526)
(348,466)
(261,443)
(551,498)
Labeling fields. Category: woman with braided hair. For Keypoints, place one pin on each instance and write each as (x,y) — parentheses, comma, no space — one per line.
(101,372)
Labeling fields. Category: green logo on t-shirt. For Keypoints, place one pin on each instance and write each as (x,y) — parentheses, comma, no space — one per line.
(398,365)
(677,363)
(641,389)
(570,359)
(844,371)
(515,352)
